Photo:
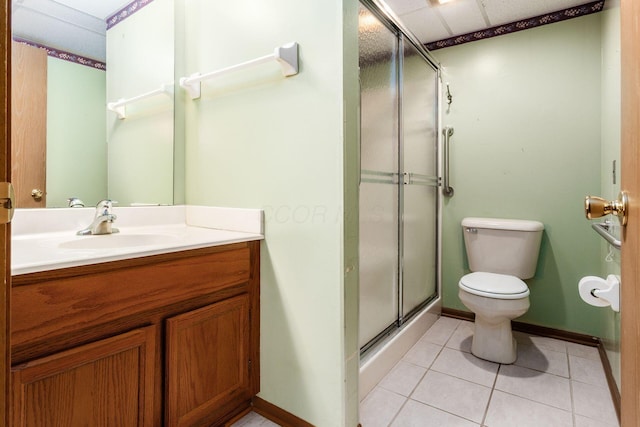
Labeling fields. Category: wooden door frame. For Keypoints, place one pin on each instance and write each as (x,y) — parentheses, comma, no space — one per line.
(5,270)
(630,155)
(630,333)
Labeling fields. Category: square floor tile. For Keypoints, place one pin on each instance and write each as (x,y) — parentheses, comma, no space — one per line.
(587,371)
(416,414)
(581,350)
(506,410)
(441,331)
(423,353)
(403,378)
(466,366)
(462,337)
(541,342)
(593,402)
(588,422)
(543,359)
(535,385)
(454,395)
(254,420)
(380,407)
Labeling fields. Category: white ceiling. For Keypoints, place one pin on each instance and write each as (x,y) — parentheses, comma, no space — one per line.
(432,23)
(78,26)
(100,9)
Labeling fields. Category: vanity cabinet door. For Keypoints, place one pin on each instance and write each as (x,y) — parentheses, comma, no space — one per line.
(208,362)
(105,383)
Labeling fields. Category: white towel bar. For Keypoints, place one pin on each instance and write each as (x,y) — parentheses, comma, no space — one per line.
(286,55)
(119,106)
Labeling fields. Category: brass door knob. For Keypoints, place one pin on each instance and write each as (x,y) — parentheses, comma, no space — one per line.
(595,207)
(37,194)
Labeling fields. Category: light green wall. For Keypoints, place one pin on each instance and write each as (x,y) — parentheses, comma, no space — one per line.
(526,112)
(258,140)
(140,148)
(610,104)
(76,133)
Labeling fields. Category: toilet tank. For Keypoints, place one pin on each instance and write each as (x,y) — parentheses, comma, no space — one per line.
(505,246)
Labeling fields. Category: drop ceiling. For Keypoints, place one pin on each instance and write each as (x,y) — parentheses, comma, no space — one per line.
(78,26)
(432,23)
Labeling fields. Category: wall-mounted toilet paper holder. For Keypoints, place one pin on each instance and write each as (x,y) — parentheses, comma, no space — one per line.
(600,292)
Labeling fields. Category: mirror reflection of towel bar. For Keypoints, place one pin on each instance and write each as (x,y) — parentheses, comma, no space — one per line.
(119,106)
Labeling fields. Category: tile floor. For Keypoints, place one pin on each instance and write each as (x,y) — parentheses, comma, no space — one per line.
(254,420)
(440,383)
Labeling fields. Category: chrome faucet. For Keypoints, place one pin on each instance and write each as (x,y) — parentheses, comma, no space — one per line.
(102,221)
(74,202)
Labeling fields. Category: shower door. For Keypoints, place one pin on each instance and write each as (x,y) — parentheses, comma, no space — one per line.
(379,192)
(398,182)
(419,192)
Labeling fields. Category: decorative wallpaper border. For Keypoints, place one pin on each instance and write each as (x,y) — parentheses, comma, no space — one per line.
(126,12)
(66,56)
(549,18)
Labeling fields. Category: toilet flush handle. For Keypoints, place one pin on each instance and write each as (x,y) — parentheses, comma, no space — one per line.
(595,207)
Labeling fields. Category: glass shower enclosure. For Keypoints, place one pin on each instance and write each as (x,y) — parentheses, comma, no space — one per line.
(399,177)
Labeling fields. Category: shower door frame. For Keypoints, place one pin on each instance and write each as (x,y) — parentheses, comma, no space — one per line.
(403,35)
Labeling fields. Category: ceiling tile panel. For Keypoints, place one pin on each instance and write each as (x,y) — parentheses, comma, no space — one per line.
(462,16)
(43,29)
(425,25)
(507,11)
(101,9)
(401,7)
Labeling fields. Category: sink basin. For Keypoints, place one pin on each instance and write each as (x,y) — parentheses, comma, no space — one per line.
(111,241)
(43,251)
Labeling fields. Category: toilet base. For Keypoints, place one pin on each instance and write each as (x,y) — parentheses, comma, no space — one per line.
(492,337)
(494,341)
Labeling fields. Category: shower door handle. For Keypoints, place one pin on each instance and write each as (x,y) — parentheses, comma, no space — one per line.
(447,190)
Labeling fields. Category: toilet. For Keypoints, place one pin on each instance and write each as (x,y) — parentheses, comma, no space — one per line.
(501,253)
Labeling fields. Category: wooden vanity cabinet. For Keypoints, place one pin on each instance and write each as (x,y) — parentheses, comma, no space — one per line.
(105,383)
(169,339)
(208,362)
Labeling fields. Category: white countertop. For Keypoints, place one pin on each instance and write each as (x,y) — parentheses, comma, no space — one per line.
(166,229)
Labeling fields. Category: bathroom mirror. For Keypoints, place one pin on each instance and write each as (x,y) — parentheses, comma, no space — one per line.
(70,60)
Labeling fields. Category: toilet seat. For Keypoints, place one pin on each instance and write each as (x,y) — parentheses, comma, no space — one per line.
(493,285)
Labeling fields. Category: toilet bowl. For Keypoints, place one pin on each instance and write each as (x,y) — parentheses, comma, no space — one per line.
(501,252)
(495,299)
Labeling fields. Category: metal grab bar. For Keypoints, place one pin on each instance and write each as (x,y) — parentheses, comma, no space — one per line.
(607,230)
(447,190)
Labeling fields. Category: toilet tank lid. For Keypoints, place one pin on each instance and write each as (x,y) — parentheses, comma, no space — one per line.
(503,224)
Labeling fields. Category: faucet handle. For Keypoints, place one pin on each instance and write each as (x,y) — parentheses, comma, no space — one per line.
(104,207)
(108,203)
